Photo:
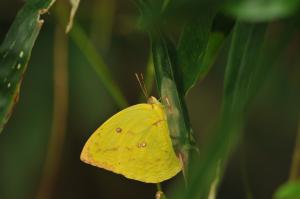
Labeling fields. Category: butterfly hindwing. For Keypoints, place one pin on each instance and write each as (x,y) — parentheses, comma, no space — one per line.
(135,143)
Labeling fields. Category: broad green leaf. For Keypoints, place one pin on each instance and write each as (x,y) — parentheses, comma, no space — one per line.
(193,63)
(191,50)
(15,53)
(261,10)
(289,190)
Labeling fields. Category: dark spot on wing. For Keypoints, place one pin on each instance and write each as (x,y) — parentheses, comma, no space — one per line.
(118,130)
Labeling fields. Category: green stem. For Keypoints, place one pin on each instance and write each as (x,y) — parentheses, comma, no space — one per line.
(159,194)
(158,186)
(60,111)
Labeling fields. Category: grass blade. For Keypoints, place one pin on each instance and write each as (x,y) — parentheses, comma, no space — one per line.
(80,38)
(97,63)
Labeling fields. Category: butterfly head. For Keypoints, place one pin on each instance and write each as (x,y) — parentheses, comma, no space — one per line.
(153,100)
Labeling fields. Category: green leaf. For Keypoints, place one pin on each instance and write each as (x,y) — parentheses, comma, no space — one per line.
(191,50)
(164,55)
(290,190)
(15,53)
(214,44)
(192,61)
(241,69)
(243,61)
(261,10)
(168,79)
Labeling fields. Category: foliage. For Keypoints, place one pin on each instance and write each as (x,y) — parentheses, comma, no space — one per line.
(288,191)
(252,39)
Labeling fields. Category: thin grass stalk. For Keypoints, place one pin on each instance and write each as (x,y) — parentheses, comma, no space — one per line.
(60,111)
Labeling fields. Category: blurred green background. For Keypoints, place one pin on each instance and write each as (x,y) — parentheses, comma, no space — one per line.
(258,166)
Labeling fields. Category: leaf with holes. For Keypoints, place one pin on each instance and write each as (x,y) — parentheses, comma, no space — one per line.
(15,52)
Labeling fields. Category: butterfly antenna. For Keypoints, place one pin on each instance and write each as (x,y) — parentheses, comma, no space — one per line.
(142,85)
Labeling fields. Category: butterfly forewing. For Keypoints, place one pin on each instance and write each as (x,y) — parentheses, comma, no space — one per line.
(135,143)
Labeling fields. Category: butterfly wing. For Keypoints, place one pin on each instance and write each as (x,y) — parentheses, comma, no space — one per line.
(135,143)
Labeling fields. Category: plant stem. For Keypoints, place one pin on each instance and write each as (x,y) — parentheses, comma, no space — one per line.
(159,194)
(60,110)
(158,186)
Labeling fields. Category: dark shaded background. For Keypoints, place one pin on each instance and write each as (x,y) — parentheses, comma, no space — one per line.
(258,166)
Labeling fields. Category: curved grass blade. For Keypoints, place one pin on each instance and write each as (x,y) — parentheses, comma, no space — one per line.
(15,52)
(80,38)
(97,63)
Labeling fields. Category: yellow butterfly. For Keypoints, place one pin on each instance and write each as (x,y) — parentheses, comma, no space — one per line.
(136,143)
